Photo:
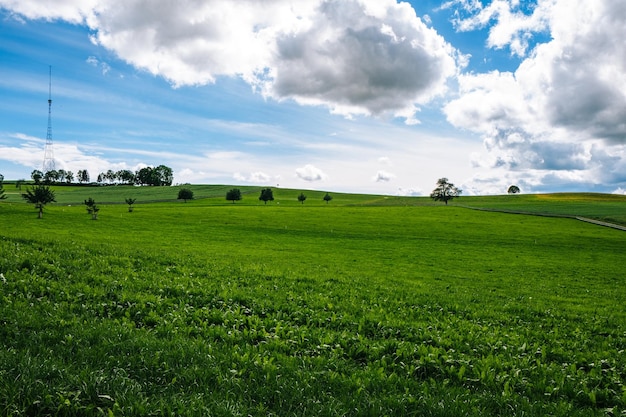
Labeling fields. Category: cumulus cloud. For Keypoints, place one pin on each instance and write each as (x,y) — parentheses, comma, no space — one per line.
(352,56)
(310,173)
(564,108)
(357,58)
(257,177)
(383,176)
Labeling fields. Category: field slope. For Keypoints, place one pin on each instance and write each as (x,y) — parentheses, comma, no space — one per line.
(364,306)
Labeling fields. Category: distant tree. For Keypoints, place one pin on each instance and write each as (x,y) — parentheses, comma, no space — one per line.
(185,194)
(61,175)
(165,175)
(233,195)
(92,208)
(125,176)
(301,198)
(50,177)
(445,191)
(110,176)
(514,189)
(266,195)
(159,176)
(39,195)
(36,176)
(2,195)
(130,202)
(69,177)
(101,177)
(83,176)
(327,198)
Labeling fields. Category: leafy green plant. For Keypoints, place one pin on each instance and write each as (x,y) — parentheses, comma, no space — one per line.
(130,202)
(92,208)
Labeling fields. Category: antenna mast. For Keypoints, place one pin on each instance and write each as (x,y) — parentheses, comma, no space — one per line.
(48,155)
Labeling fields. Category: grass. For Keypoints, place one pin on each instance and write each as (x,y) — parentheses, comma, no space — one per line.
(365,306)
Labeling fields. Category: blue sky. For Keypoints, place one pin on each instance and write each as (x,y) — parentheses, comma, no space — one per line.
(372,96)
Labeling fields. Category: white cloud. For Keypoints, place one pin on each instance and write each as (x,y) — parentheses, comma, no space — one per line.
(383,176)
(310,173)
(563,111)
(257,177)
(409,192)
(352,56)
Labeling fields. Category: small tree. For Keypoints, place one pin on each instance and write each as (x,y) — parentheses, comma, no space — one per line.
(185,194)
(301,198)
(445,191)
(92,208)
(130,202)
(233,195)
(513,189)
(327,198)
(266,195)
(39,195)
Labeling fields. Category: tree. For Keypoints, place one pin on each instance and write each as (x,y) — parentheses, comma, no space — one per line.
(130,202)
(513,189)
(36,175)
(233,195)
(125,176)
(185,194)
(69,177)
(159,176)
(92,208)
(266,195)
(50,177)
(164,175)
(19,183)
(61,175)
(445,191)
(2,195)
(39,195)
(83,176)
(301,198)
(327,198)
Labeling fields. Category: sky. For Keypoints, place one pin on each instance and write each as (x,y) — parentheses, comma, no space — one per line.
(362,96)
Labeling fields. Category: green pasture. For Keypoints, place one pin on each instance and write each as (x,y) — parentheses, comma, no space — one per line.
(368,305)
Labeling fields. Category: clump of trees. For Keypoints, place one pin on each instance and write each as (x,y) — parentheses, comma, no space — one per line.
(233,195)
(185,194)
(39,195)
(266,195)
(151,176)
(445,191)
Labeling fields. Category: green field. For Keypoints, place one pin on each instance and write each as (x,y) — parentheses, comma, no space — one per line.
(368,305)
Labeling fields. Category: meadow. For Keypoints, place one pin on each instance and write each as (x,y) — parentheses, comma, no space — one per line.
(368,305)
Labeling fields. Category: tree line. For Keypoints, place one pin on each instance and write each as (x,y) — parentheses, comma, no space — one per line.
(149,176)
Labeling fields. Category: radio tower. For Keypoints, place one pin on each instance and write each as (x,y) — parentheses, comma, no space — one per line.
(48,153)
